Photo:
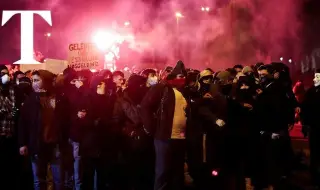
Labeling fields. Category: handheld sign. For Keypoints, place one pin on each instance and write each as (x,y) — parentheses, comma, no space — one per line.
(84,56)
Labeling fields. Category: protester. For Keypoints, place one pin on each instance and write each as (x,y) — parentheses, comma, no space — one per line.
(100,130)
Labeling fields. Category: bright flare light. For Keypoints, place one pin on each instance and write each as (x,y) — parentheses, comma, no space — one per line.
(47,34)
(207,9)
(179,15)
(290,60)
(106,40)
(203,9)
(109,56)
(281,58)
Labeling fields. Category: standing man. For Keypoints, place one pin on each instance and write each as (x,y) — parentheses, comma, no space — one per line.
(166,103)
(151,76)
(44,129)
(8,148)
(118,79)
(310,117)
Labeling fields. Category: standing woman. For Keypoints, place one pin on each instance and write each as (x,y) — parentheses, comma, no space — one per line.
(97,146)
(43,129)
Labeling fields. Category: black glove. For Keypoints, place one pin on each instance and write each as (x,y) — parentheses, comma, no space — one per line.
(15,111)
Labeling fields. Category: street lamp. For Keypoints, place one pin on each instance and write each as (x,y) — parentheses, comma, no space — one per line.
(205,9)
(47,35)
(178,16)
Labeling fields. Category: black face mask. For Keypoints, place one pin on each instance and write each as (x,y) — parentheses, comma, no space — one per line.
(204,88)
(265,80)
(136,93)
(226,89)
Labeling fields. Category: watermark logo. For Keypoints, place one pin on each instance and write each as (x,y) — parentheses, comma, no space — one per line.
(26,32)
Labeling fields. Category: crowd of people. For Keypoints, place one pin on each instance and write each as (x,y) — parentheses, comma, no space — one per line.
(82,130)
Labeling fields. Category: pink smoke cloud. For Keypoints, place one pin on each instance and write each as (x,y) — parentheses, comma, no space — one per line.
(229,34)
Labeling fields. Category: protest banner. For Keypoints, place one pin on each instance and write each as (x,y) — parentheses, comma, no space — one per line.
(85,56)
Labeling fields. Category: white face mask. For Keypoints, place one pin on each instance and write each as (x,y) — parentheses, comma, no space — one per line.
(152,80)
(5,79)
(78,84)
(316,79)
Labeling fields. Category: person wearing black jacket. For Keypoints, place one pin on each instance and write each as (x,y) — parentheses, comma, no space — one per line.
(217,160)
(77,90)
(97,146)
(164,111)
(43,129)
(272,109)
(310,117)
(138,147)
(23,90)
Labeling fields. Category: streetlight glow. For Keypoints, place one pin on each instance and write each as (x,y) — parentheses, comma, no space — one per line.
(127,23)
(47,34)
(205,9)
(281,58)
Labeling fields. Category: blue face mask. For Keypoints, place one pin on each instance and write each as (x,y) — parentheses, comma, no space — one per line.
(5,79)
(152,81)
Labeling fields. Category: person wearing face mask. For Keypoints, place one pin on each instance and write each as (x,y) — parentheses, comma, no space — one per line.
(23,90)
(17,75)
(137,145)
(205,79)
(213,147)
(225,83)
(8,130)
(248,71)
(97,149)
(151,76)
(310,118)
(78,95)
(274,118)
(43,130)
(166,105)
(246,96)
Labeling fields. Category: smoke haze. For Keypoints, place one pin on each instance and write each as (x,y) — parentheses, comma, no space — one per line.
(233,32)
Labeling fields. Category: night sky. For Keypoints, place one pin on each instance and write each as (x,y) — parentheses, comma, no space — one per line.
(64,14)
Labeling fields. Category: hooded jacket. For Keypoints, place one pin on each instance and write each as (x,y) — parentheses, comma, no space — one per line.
(158,106)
